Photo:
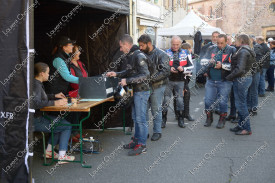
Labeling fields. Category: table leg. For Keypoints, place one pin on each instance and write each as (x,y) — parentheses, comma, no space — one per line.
(81,141)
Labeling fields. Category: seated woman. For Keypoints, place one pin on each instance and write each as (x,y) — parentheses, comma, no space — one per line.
(41,99)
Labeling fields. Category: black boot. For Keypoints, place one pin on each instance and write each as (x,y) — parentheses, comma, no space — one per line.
(164,119)
(269,89)
(181,119)
(222,120)
(175,106)
(186,100)
(209,118)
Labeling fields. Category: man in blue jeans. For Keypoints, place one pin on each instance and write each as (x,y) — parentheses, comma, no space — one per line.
(217,70)
(252,96)
(135,76)
(265,62)
(160,70)
(242,65)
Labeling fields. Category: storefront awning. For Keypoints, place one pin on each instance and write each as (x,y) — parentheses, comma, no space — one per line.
(107,5)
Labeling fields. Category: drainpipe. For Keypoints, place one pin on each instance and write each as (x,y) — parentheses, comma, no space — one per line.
(134,20)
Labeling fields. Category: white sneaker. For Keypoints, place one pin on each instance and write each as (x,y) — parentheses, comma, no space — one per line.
(49,155)
(67,158)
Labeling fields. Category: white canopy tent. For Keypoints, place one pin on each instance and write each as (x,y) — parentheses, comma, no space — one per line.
(188,26)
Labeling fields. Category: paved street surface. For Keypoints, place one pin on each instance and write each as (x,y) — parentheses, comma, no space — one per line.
(195,154)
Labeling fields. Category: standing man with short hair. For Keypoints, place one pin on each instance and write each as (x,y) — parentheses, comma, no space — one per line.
(179,65)
(136,73)
(265,60)
(159,69)
(217,88)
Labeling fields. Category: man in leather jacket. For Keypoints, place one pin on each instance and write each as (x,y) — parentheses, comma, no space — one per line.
(265,65)
(217,88)
(241,67)
(180,64)
(252,98)
(160,70)
(135,75)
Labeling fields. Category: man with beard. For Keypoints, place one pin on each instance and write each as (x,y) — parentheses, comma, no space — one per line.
(134,76)
(159,70)
(180,64)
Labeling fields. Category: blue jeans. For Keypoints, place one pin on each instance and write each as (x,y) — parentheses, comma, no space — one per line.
(178,87)
(212,99)
(61,133)
(270,76)
(139,112)
(241,86)
(155,102)
(262,82)
(252,96)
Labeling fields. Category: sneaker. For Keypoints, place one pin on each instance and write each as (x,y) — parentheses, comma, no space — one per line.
(137,150)
(156,136)
(261,95)
(243,132)
(49,155)
(132,144)
(67,158)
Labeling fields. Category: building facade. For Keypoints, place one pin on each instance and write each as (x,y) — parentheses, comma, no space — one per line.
(255,17)
(149,15)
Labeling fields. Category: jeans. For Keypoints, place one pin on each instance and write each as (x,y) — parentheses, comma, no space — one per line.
(241,86)
(61,133)
(139,113)
(155,102)
(262,82)
(212,99)
(252,96)
(270,76)
(178,87)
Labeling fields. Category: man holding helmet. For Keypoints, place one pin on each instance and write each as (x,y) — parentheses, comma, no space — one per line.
(218,68)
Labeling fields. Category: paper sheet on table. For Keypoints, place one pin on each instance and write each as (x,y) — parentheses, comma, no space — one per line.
(89,100)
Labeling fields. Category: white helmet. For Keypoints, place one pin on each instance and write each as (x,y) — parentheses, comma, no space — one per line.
(270,39)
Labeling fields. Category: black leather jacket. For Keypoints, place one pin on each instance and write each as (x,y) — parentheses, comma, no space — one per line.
(227,54)
(159,67)
(266,56)
(242,62)
(259,52)
(137,72)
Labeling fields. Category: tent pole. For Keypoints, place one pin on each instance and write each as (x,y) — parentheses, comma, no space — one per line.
(31,67)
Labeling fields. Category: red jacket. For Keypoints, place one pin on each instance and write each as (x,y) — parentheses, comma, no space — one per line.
(80,71)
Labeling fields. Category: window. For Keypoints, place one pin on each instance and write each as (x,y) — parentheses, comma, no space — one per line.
(210,12)
(272,7)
